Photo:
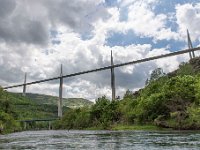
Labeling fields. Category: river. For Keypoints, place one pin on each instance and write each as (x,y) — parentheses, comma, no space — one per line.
(94,140)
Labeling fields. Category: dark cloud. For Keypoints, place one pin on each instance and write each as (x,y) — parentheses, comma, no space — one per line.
(30,22)
(18,26)
(6,7)
(11,75)
(20,30)
(78,15)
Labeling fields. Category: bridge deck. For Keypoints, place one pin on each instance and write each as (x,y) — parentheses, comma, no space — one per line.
(34,120)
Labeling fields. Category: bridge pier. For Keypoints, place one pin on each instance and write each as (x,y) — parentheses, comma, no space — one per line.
(25,125)
(112,78)
(60,94)
(24,86)
(49,125)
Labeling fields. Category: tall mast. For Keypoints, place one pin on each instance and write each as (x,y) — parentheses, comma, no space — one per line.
(24,87)
(112,78)
(192,55)
(60,93)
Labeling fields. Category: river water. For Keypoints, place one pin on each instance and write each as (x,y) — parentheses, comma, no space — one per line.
(94,140)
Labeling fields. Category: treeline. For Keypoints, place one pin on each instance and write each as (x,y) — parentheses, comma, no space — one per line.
(168,100)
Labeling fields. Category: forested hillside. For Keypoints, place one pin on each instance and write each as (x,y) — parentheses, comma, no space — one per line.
(15,107)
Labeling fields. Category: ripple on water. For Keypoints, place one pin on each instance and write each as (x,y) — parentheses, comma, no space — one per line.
(75,139)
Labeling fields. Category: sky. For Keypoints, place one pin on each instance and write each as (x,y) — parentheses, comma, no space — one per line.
(38,36)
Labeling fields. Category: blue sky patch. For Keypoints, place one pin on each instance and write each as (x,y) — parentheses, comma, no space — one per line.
(55,42)
(123,14)
(53,33)
(86,36)
(165,6)
(111,3)
(120,39)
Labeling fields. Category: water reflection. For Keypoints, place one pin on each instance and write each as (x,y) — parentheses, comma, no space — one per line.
(124,140)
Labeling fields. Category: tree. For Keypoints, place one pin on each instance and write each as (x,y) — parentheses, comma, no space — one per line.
(105,112)
(157,73)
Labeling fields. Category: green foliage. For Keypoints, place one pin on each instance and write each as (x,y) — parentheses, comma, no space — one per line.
(136,127)
(168,99)
(74,119)
(105,112)
(126,108)
(194,116)
(150,108)
(185,69)
(7,122)
(14,106)
(128,95)
(181,87)
(197,90)
(195,63)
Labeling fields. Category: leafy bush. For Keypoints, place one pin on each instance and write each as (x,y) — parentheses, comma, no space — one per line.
(105,112)
(194,116)
(74,119)
(150,108)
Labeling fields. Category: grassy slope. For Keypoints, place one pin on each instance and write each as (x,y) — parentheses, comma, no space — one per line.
(25,108)
(41,106)
(14,106)
(52,100)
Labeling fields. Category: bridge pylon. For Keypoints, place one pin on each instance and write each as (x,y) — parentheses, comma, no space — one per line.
(192,54)
(60,94)
(24,86)
(112,78)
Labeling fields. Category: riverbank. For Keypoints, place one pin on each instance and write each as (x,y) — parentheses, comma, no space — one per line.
(121,127)
(117,127)
(139,127)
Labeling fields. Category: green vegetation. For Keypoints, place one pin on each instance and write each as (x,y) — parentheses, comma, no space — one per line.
(7,115)
(15,107)
(168,101)
(136,127)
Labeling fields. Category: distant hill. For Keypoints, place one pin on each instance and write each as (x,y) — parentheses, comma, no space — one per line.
(14,108)
(22,107)
(52,100)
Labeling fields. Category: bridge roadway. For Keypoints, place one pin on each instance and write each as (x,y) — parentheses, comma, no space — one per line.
(38,120)
(109,67)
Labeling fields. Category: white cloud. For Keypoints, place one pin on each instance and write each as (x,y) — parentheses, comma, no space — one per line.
(142,19)
(188,17)
(144,22)
(140,2)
